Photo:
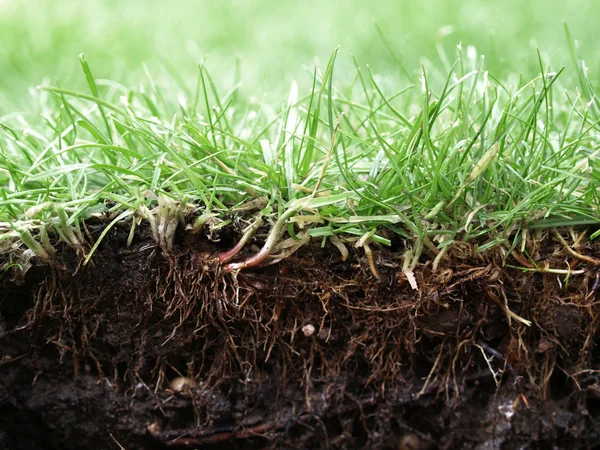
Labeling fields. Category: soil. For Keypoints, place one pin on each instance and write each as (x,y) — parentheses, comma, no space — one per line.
(143,349)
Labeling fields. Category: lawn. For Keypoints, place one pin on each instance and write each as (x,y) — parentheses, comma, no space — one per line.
(274,42)
(386,212)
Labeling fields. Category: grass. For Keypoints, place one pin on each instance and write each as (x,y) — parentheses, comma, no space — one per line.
(448,154)
(273,42)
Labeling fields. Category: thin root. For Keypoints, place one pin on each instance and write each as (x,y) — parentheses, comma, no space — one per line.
(371,260)
(270,244)
(568,248)
(249,232)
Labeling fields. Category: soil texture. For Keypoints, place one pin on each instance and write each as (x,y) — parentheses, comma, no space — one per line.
(146,349)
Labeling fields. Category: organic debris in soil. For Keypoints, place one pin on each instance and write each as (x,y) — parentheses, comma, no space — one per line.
(146,349)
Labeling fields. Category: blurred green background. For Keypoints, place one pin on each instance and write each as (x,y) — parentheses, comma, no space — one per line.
(275,41)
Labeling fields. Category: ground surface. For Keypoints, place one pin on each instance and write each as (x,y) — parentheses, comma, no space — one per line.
(312,352)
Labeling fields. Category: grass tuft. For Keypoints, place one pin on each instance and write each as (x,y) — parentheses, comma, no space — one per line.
(460,157)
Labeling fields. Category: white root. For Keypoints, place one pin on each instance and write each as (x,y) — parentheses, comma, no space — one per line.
(371,260)
(340,246)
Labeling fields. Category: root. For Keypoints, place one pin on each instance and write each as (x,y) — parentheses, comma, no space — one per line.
(407,270)
(117,443)
(319,332)
(372,266)
(297,205)
(340,246)
(568,248)
(270,243)
(364,243)
(431,372)
(504,307)
(546,269)
(249,232)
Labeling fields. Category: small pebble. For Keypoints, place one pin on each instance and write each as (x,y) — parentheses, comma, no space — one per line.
(181,384)
(154,429)
(308,330)
(410,442)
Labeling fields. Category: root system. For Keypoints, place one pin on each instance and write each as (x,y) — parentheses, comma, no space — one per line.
(147,348)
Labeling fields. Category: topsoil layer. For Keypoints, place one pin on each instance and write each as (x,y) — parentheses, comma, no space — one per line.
(146,350)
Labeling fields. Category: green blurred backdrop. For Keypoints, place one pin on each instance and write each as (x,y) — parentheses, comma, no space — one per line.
(275,41)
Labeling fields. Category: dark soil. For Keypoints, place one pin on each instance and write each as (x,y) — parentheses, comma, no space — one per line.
(144,350)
